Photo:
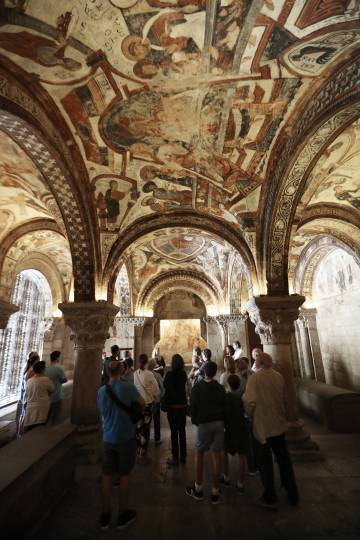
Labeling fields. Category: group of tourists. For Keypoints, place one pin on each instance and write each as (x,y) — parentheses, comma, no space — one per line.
(243,415)
(41,392)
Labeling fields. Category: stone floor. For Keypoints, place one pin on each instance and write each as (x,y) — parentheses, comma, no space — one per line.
(329,508)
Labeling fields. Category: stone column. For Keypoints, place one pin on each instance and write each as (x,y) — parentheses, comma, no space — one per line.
(309,372)
(6,310)
(309,316)
(274,318)
(90,322)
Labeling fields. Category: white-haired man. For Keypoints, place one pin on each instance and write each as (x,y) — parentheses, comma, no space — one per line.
(264,401)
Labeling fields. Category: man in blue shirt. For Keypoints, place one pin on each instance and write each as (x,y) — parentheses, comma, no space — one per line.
(119,444)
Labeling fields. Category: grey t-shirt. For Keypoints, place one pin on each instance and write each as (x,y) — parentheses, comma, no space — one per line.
(57,375)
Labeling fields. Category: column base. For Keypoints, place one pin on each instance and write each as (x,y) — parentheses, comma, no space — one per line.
(88,444)
(301,446)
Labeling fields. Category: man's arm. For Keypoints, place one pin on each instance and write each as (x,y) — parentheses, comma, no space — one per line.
(193,406)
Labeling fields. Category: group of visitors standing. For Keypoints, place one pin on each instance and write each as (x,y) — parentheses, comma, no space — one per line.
(242,416)
(41,392)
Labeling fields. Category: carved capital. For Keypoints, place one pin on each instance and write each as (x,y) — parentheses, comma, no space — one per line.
(308,317)
(274,317)
(90,322)
(6,310)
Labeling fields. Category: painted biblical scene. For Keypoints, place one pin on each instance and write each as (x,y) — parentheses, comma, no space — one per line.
(335,177)
(176,104)
(180,336)
(162,251)
(23,195)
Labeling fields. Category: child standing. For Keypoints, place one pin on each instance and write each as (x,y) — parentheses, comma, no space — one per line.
(236,433)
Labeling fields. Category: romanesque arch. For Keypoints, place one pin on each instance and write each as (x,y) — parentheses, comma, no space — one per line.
(330,110)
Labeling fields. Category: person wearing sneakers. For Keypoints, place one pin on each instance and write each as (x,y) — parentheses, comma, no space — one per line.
(264,400)
(119,443)
(207,403)
(236,433)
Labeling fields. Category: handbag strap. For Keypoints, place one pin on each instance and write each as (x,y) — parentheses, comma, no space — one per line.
(115,399)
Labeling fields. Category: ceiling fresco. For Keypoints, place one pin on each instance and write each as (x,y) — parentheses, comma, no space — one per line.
(49,244)
(348,234)
(176,104)
(169,249)
(23,195)
(335,178)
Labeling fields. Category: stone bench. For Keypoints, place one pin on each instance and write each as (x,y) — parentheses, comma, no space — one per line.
(35,473)
(336,408)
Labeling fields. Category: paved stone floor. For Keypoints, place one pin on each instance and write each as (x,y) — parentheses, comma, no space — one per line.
(329,508)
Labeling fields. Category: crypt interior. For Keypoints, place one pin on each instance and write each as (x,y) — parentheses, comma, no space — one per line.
(180,173)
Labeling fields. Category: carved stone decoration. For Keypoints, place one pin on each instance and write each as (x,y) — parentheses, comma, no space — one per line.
(136,321)
(90,322)
(48,328)
(274,317)
(6,310)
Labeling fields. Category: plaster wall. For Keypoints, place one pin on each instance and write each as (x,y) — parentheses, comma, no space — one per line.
(336,295)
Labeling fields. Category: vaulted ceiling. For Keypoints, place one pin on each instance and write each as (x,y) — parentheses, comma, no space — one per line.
(162,107)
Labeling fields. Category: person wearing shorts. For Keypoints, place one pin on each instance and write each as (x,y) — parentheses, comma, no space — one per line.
(119,453)
(207,404)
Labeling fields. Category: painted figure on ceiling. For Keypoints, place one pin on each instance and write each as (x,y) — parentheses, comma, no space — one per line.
(43,51)
(108,204)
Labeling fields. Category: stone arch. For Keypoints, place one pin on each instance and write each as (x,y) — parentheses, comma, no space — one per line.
(146,225)
(310,259)
(14,258)
(170,281)
(57,181)
(328,112)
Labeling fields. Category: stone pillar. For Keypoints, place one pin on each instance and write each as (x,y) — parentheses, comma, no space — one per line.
(309,316)
(274,318)
(6,310)
(215,340)
(309,371)
(238,331)
(90,322)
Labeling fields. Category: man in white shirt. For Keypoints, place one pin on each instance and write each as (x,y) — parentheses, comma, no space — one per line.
(264,401)
(238,350)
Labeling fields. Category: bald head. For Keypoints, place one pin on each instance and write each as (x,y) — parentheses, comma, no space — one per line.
(264,360)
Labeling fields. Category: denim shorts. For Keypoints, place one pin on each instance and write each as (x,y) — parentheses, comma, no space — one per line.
(119,458)
(210,436)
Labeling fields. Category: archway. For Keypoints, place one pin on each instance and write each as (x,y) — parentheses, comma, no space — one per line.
(180,324)
(25,330)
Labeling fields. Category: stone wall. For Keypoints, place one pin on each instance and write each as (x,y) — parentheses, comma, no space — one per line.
(336,296)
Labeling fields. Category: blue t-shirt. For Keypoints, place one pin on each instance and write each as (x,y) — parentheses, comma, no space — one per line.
(117,425)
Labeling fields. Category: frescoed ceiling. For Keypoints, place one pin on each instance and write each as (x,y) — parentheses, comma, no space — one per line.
(346,233)
(170,249)
(176,104)
(336,178)
(23,195)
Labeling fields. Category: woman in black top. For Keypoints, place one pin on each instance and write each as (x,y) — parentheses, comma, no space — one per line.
(175,404)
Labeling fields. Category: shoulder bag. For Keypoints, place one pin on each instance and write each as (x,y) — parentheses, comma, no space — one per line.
(135,410)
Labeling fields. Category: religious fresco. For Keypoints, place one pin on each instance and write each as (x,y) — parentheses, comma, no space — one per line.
(180,336)
(235,287)
(168,248)
(48,243)
(346,233)
(177,104)
(122,288)
(23,195)
(334,179)
(338,273)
